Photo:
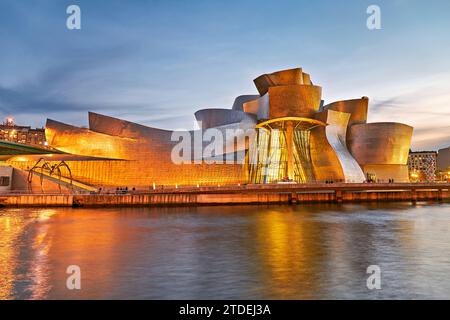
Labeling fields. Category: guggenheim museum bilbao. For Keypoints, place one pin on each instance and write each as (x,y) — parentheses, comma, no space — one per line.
(285,133)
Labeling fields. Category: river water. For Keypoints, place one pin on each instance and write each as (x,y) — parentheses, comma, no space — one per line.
(317,251)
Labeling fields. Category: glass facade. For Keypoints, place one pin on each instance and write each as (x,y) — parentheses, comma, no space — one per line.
(281,152)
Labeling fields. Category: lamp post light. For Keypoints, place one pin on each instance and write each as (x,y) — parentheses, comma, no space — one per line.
(414,176)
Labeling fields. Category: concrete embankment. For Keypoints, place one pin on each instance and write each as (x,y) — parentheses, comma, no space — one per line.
(239,195)
(37,200)
(178,199)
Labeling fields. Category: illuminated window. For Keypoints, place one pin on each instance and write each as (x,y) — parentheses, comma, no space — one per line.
(4,181)
(268,159)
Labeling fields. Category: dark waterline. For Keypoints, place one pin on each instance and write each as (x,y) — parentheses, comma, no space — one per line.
(238,252)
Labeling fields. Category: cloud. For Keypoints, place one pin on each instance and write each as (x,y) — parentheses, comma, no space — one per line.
(423,103)
(77,82)
(157,62)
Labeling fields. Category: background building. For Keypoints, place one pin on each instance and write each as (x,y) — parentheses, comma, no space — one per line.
(11,132)
(443,164)
(443,159)
(422,166)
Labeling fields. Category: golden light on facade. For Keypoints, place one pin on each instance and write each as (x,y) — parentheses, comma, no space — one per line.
(12,227)
(414,176)
(295,138)
(288,249)
(281,150)
(299,120)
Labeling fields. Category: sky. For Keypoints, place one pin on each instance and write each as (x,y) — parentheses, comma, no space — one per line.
(157,62)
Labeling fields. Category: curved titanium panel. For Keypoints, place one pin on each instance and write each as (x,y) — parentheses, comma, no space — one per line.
(82,141)
(279,78)
(147,143)
(210,118)
(336,132)
(380,143)
(148,158)
(252,106)
(240,100)
(356,107)
(324,159)
(294,101)
(385,172)
(122,128)
(156,144)
(307,79)
(259,106)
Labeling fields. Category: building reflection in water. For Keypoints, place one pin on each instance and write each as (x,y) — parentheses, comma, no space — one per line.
(258,252)
(288,252)
(39,271)
(11,227)
(90,242)
(311,252)
(16,238)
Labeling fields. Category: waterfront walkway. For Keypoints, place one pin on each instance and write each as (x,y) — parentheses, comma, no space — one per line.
(296,187)
(241,194)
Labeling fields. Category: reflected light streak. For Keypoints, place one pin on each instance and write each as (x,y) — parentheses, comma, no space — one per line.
(11,227)
(286,254)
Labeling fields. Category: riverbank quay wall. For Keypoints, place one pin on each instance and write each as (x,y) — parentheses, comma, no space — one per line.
(247,194)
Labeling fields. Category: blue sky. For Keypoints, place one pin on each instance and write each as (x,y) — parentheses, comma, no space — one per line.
(157,62)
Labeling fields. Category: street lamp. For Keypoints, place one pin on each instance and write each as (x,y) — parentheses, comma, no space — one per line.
(414,176)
